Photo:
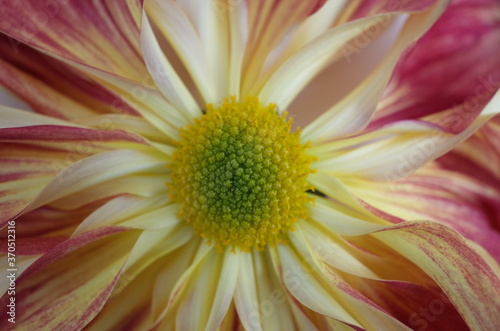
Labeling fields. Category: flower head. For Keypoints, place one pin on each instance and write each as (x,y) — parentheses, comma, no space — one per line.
(159,181)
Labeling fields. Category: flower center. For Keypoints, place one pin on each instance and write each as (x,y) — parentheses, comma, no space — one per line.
(239,175)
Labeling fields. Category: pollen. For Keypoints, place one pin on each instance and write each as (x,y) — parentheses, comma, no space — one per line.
(240,175)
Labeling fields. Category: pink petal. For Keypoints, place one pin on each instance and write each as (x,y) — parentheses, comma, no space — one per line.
(455,63)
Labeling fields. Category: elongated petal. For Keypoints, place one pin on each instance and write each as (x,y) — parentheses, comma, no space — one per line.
(165,76)
(133,211)
(210,299)
(174,267)
(460,271)
(302,66)
(120,312)
(49,221)
(147,101)
(32,156)
(97,169)
(104,35)
(48,287)
(174,23)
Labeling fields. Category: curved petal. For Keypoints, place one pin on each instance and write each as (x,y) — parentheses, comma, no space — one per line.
(302,66)
(51,87)
(32,156)
(174,23)
(324,291)
(460,271)
(460,189)
(101,34)
(134,212)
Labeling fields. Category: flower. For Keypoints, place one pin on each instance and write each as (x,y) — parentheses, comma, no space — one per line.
(257,226)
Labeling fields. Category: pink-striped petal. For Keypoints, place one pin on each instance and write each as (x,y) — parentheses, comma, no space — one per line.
(465,277)
(103,34)
(324,291)
(68,286)
(460,189)
(51,87)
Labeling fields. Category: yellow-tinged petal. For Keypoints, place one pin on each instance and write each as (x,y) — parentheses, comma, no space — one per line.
(269,22)
(246,297)
(208,292)
(133,211)
(98,169)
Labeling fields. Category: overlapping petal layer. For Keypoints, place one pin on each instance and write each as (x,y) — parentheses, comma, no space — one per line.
(90,185)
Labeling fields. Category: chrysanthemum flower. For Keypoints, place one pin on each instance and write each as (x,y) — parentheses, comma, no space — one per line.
(160,182)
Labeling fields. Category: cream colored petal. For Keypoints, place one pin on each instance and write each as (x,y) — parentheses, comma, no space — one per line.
(165,76)
(176,26)
(334,251)
(209,293)
(273,306)
(145,186)
(328,294)
(210,20)
(246,297)
(304,65)
(153,245)
(132,211)
(98,169)
(399,155)
(307,289)
(340,197)
(177,294)
(12,117)
(174,266)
